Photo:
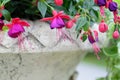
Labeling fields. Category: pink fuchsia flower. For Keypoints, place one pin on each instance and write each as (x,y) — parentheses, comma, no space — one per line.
(16,27)
(1,24)
(103,27)
(57,21)
(116,34)
(58,2)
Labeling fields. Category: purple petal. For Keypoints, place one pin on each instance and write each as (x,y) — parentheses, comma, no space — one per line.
(101,2)
(91,39)
(113,6)
(16,30)
(57,23)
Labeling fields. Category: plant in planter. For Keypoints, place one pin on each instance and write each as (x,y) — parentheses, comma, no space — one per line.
(63,16)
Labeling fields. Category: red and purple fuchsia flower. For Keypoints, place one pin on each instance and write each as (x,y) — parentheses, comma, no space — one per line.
(93,39)
(16,28)
(59,21)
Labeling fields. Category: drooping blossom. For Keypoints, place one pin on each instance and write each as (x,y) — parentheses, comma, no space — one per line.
(16,27)
(58,2)
(57,21)
(101,4)
(116,34)
(113,6)
(93,41)
(103,27)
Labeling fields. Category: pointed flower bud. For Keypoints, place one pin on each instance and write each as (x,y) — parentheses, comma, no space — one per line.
(58,2)
(116,34)
(103,27)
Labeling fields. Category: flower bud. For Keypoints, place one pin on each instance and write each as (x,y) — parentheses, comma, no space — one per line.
(103,27)
(113,6)
(58,2)
(116,34)
(69,24)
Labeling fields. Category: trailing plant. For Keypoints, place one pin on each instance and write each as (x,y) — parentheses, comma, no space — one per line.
(65,14)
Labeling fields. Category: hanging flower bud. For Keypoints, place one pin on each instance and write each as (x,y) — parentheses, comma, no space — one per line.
(69,24)
(116,34)
(1,24)
(101,2)
(58,2)
(113,6)
(103,27)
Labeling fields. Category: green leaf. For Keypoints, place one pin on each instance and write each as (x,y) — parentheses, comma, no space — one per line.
(88,4)
(117,66)
(6,14)
(111,51)
(42,7)
(84,37)
(80,23)
(5,1)
(86,26)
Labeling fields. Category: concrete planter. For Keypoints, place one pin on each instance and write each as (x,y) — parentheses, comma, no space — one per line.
(39,66)
(43,56)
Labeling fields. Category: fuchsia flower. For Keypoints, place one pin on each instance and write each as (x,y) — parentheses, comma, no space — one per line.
(103,27)
(93,38)
(116,34)
(57,21)
(58,2)
(16,27)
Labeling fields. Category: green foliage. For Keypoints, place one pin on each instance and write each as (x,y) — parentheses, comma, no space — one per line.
(42,8)
(6,14)
(80,23)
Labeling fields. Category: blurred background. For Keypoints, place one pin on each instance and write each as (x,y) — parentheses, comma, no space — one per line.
(91,68)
